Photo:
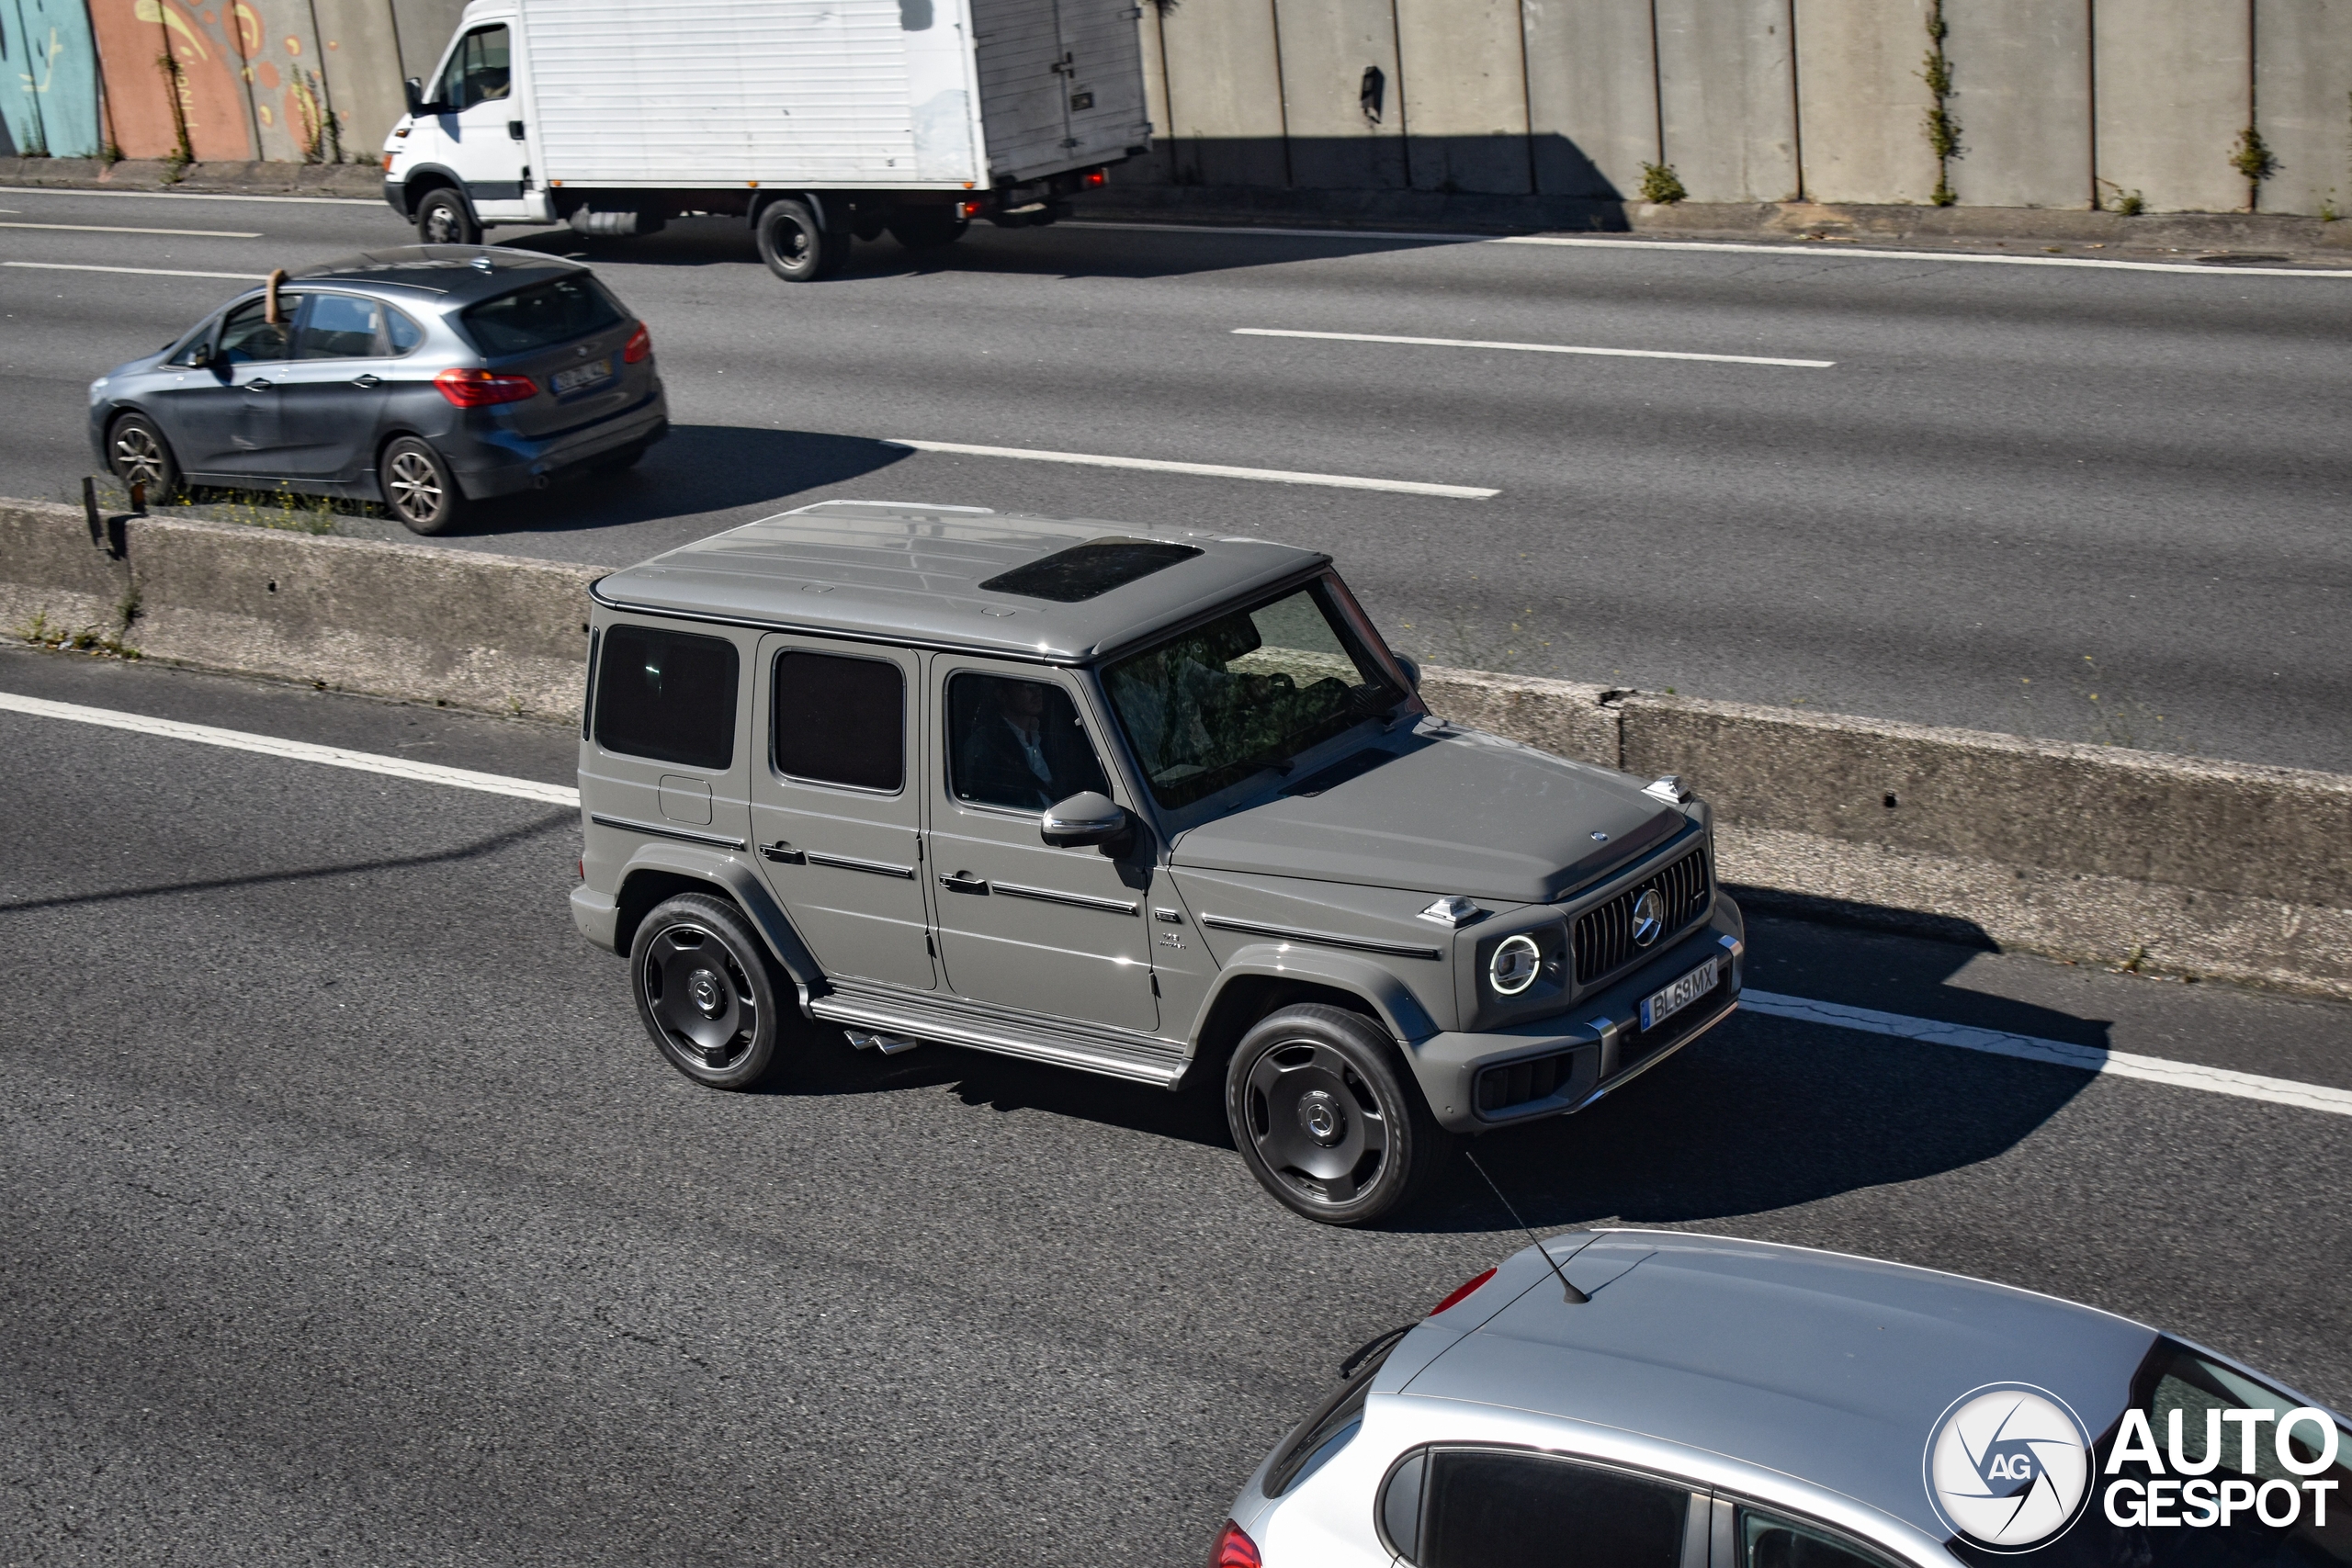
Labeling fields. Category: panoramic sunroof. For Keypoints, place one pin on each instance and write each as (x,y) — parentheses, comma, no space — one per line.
(1088,571)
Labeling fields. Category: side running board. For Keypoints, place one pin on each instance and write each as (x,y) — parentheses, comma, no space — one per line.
(1136,1059)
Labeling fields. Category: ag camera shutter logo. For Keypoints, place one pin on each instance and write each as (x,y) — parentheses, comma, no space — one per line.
(2008,1467)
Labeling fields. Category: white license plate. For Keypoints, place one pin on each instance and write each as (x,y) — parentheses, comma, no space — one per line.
(1659,1006)
(581,376)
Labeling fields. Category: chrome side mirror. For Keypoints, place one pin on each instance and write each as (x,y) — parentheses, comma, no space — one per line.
(1090,818)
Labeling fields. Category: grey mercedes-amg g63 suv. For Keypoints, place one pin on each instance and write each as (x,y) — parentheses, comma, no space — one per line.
(1144,802)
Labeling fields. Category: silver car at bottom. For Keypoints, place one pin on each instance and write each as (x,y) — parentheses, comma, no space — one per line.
(1646,1399)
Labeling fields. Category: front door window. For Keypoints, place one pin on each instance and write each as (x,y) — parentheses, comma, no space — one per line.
(1056,931)
(478,114)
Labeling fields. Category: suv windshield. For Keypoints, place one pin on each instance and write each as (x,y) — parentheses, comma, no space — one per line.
(1250,690)
(541,316)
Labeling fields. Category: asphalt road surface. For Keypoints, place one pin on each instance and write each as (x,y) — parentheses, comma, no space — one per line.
(350,1217)
(2088,503)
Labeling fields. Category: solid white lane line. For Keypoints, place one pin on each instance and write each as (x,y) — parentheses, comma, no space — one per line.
(2089,1058)
(1631,242)
(189,196)
(117,229)
(1211,471)
(142,271)
(296,750)
(1537,347)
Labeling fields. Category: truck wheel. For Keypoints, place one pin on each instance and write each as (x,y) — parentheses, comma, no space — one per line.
(444,218)
(928,228)
(138,455)
(796,247)
(419,488)
(705,991)
(1326,1117)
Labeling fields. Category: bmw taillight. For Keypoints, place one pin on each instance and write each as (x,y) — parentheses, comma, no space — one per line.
(480,389)
(1463,1291)
(1234,1549)
(640,345)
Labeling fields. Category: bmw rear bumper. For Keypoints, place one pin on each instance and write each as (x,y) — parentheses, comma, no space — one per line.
(1582,1055)
(501,462)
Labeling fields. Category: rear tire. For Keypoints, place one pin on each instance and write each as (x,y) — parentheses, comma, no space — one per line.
(418,486)
(1327,1119)
(705,991)
(444,218)
(138,454)
(797,248)
(928,228)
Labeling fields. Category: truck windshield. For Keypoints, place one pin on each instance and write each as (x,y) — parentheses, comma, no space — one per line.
(1249,690)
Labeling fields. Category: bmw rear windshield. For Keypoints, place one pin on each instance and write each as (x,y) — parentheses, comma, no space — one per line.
(542,316)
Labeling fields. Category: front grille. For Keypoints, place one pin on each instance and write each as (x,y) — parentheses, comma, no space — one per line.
(1604,933)
(1518,1083)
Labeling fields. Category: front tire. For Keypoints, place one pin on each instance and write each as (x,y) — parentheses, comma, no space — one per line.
(444,218)
(705,991)
(418,486)
(797,248)
(1326,1117)
(138,455)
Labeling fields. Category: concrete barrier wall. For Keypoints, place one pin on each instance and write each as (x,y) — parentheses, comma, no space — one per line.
(1727,97)
(2185,865)
(2174,88)
(1592,95)
(2302,90)
(2021,93)
(1863,99)
(1748,100)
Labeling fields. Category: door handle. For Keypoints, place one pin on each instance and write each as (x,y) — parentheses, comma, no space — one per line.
(368,380)
(257,386)
(515,128)
(963,882)
(784,853)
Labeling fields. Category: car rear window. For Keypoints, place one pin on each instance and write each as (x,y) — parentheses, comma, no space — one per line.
(542,316)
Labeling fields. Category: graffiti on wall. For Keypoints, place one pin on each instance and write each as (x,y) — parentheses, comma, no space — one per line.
(49,80)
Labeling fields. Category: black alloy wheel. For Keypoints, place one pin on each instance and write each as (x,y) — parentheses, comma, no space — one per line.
(444,218)
(705,991)
(419,488)
(1326,1117)
(797,248)
(928,228)
(138,455)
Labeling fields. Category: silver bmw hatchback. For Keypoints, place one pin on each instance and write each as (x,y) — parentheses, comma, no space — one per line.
(428,377)
(1647,1399)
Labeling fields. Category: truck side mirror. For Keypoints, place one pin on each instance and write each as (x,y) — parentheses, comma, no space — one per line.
(1092,818)
(413,91)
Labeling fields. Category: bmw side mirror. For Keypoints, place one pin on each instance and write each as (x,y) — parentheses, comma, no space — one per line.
(1412,668)
(1089,818)
(413,91)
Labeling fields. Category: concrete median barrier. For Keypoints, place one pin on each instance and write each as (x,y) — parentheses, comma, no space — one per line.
(2174,864)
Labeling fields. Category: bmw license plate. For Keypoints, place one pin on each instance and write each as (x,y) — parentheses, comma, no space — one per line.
(581,376)
(1659,1006)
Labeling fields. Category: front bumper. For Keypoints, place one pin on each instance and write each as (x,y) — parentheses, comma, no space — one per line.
(1590,1051)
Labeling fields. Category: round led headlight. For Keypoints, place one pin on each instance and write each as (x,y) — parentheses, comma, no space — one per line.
(1514,965)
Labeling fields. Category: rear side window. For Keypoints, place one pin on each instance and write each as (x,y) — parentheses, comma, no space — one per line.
(402,334)
(667,695)
(1767,1540)
(339,326)
(1510,1508)
(542,316)
(840,721)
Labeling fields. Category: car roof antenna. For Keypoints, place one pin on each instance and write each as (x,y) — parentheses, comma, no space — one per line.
(1575,1296)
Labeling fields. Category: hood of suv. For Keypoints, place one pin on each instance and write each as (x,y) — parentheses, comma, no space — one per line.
(1450,812)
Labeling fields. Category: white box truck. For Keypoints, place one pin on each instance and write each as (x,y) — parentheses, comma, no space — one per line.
(816,121)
